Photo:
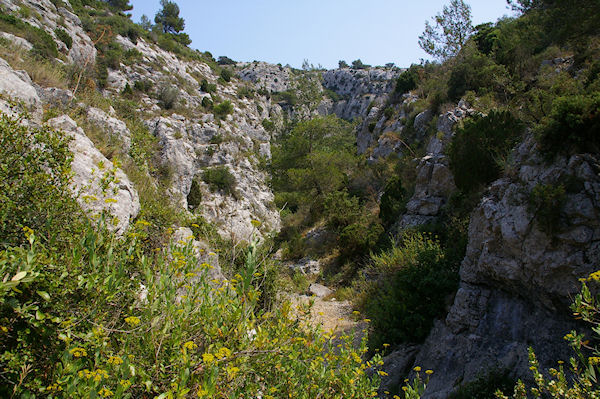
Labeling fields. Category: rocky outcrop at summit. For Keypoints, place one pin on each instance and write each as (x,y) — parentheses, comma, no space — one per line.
(358,88)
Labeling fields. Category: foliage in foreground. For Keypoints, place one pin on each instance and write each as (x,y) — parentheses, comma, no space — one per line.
(104,317)
(578,380)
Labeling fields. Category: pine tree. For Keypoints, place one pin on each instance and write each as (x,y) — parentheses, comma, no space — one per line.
(169,18)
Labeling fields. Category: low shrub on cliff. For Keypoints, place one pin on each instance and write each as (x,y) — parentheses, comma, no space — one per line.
(220,178)
(223,109)
(414,279)
(573,125)
(479,149)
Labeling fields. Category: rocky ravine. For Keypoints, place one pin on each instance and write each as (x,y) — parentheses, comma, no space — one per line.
(517,281)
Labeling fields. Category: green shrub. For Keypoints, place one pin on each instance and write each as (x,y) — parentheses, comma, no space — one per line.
(220,178)
(333,95)
(268,124)
(573,125)
(546,202)
(474,71)
(207,102)
(408,80)
(216,139)
(144,85)
(194,198)
(226,75)
(167,96)
(223,109)
(479,149)
(188,335)
(289,97)
(64,37)
(388,112)
(415,279)
(245,92)
(34,183)
(207,87)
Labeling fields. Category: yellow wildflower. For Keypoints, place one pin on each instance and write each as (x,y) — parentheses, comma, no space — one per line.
(190,345)
(105,393)
(115,360)
(429,372)
(208,358)
(418,368)
(132,321)
(125,383)
(78,352)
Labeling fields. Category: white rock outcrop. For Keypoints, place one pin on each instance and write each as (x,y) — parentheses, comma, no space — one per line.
(98,184)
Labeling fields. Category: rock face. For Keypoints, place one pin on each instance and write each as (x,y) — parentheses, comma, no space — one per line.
(45,15)
(517,279)
(359,88)
(433,186)
(273,78)
(89,166)
(18,85)
(111,126)
(435,182)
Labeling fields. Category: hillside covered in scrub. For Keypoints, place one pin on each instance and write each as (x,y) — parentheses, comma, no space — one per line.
(174,225)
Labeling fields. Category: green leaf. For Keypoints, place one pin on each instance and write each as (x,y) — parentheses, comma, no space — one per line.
(44,295)
(19,276)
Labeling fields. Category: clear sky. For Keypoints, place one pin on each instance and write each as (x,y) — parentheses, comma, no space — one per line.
(322,31)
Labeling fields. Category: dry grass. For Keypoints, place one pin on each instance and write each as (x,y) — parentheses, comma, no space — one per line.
(43,72)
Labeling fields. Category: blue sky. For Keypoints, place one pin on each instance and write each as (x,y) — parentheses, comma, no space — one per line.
(322,31)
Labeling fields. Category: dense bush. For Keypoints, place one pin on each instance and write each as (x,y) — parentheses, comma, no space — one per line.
(223,109)
(268,124)
(64,37)
(194,198)
(226,75)
(474,71)
(144,85)
(79,324)
(220,178)
(414,281)
(480,148)
(573,125)
(167,96)
(393,202)
(207,87)
(408,80)
(34,183)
